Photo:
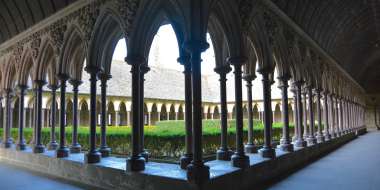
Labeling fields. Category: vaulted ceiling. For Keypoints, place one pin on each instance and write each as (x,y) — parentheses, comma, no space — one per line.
(349,30)
(19,15)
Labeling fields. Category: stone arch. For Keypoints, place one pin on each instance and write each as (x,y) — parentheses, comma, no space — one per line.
(154,114)
(46,57)
(216,112)
(291,113)
(10,74)
(27,64)
(256,114)
(245,111)
(163,113)
(84,112)
(110,117)
(277,113)
(181,115)
(123,114)
(172,112)
(69,112)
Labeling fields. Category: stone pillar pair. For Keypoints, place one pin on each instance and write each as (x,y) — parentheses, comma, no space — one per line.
(75,146)
(104,149)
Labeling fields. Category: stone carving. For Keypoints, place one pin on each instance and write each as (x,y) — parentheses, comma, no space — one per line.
(128,10)
(35,46)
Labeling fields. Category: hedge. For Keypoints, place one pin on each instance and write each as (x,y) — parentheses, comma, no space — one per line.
(165,140)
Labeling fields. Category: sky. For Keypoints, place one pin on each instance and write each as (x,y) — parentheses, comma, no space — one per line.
(164,51)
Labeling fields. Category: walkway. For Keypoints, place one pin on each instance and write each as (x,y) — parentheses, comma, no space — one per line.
(355,166)
(14,178)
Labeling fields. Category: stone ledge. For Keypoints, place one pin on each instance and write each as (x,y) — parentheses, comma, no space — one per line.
(110,173)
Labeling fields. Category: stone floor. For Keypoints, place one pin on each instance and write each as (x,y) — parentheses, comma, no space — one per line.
(14,178)
(355,166)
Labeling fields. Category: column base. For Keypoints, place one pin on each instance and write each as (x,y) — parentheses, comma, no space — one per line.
(198,173)
(92,157)
(62,152)
(105,151)
(224,154)
(267,152)
(250,148)
(75,148)
(240,160)
(135,164)
(21,146)
(39,149)
(311,141)
(7,144)
(300,143)
(145,154)
(53,145)
(327,137)
(185,160)
(320,139)
(287,147)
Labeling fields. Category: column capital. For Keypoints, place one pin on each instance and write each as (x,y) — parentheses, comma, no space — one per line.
(184,60)
(223,70)
(75,82)
(135,59)
(104,76)
(53,87)
(63,76)
(249,77)
(237,61)
(194,45)
(144,68)
(22,86)
(92,69)
(39,83)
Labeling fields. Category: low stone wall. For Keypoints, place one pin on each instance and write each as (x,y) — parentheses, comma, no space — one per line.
(111,174)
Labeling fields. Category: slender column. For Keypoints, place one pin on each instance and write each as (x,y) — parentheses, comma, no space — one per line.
(306,127)
(311,140)
(62,150)
(320,137)
(341,116)
(21,113)
(300,142)
(158,116)
(117,118)
(197,171)
(295,112)
(285,140)
(250,147)
(129,118)
(338,134)
(267,151)
(30,117)
(93,155)
(332,116)
(239,159)
(136,162)
(7,140)
(75,146)
(168,115)
(186,159)
(104,149)
(143,152)
(223,153)
(150,118)
(39,147)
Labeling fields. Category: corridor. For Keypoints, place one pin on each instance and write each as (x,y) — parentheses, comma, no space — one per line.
(354,166)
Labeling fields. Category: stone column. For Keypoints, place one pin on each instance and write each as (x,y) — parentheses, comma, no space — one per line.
(332,116)
(306,127)
(93,155)
(168,115)
(223,153)
(53,143)
(143,152)
(295,112)
(21,115)
(135,162)
(239,159)
(129,118)
(39,147)
(158,116)
(197,171)
(75,146)
(300,142)
(186,159)
(250,147)
(117,118)
(311,140)
(267,151)
(338,132)
(62,150)
(104,149)
(285,144)
(7,141)
(342,131)
(320,137)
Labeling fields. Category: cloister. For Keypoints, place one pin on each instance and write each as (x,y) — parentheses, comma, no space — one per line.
(323,53)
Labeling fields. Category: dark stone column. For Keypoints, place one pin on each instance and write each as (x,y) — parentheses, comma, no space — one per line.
(332,116)
(239,159)
(342,131)
(223,153)
(7,140)
(136,162)
(186,159)
(93,155)
(306,127)
(336,100)
(300,142)
(285,140)
(21,141)
(53,143)
(320,137)
(250,147)
(39,147)
(62,150)
(143,70)
(75,146)
(311,140)
(197,171)
(104,149)
(267,151)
